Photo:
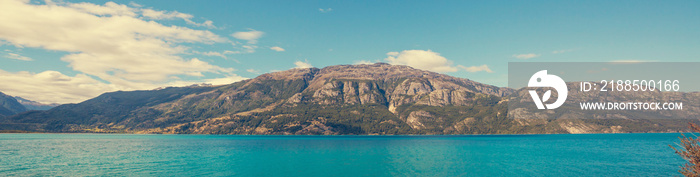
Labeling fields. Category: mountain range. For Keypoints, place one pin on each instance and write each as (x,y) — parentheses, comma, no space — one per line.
(373,99)
(10,106)
(33,105)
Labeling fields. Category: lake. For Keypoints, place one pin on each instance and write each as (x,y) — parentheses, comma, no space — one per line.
(245,155)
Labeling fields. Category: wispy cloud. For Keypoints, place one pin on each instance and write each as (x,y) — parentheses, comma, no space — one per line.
(249,48)
(225,80)
(364,62)
(18,57)
(302,64)
(473,69)
(276,48)
(135,4)
(170,15)
(322,10)
(421,59)
(226,52)
(526,56)
(109,8)
(251,36)
(251,70)
(114,9)
(211,53)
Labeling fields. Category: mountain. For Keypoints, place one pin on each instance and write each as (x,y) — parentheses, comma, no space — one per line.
(342,99)
(33,105)
(10,106)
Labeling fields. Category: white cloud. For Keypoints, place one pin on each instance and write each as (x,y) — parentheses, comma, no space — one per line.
(251,70)
(103,41)
(364,62)
(226,52)
(473,69)
(55,87)
(421,59)
(160,15)
(251,36)
(225,80)
(135,4)
(216,81)
(322,10)
(208,24)
(114,9)
(212,53)
(110,8)
(52,86)
(18,57)
(170,15)
(301,64)
(526,56)
(276,48)
(249,48)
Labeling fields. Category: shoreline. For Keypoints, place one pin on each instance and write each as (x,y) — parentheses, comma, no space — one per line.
(416,135)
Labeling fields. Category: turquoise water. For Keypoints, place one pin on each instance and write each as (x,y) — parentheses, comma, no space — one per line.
(214,155)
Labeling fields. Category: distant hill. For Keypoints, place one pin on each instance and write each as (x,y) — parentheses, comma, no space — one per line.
(342,99)
(33,105)
(9,105)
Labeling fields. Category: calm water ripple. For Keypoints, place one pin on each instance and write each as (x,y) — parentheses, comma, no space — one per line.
(219,155)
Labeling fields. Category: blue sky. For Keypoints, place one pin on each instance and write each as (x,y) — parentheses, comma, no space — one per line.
(69,51)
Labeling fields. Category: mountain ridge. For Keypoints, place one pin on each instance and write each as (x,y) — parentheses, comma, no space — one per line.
(9,105)
(33,105)
(335,100)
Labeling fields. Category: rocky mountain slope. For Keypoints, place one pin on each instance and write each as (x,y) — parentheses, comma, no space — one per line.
(343,99)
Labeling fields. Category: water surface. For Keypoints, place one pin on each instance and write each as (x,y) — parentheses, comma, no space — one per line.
(227,155)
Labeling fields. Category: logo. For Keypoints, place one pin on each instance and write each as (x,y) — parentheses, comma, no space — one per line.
(542,79)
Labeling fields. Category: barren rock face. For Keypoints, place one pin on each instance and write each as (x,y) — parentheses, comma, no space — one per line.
(297,98)
(393,86)
(414,119)
(414,80)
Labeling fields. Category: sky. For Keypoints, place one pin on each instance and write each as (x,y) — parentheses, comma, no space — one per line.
(70,51)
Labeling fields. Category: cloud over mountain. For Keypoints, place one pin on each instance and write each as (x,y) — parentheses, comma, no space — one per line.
(112,46)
